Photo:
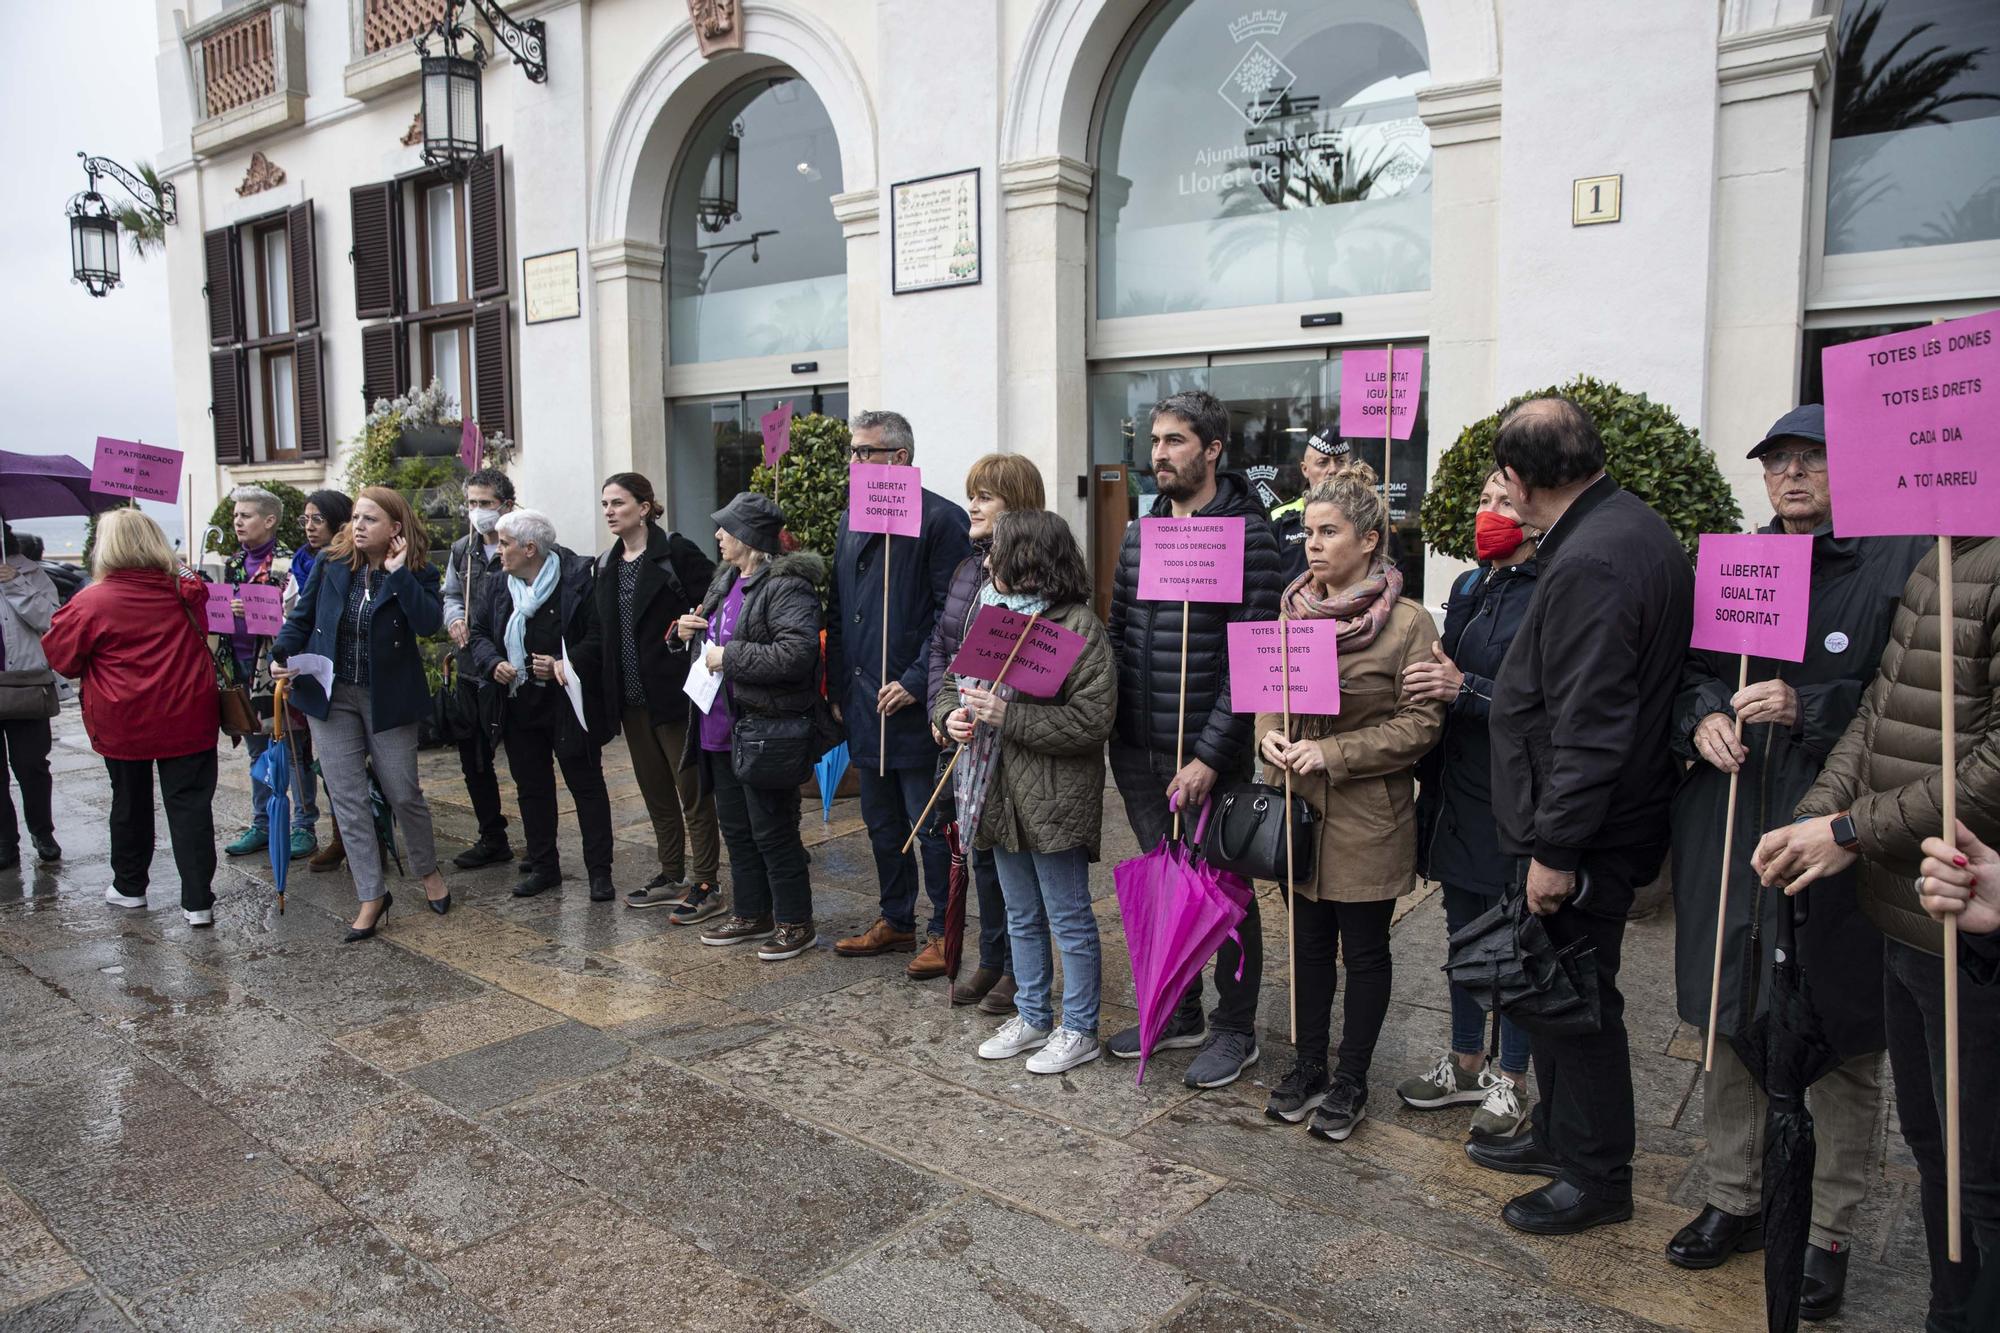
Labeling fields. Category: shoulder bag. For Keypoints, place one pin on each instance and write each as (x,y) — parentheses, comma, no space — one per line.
(1247,833)
(27,695)
(238,718)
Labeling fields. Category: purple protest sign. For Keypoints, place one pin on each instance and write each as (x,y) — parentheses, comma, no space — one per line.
(143,471)
(777,427)
(471,445)
(1038,670)
(1366,397)
(220,621)
(1260,652)
(263,608)
(882,497)
(1752,592)
(1913,431)
(1191,559)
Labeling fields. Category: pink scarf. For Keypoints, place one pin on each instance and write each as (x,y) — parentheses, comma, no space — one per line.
(1361,611)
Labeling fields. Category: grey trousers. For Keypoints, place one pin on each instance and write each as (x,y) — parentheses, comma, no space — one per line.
(345,743)
(673,798)
(1843,1110)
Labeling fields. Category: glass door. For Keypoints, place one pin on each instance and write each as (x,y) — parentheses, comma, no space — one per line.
(714,443)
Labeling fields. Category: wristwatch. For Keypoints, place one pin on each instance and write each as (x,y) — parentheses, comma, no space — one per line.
(1843,832)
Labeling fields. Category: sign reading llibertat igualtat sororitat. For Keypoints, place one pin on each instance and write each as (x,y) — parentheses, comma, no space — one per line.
(934,232)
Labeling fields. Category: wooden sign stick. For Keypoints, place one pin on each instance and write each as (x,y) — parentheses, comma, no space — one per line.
(1722,898)
(938,790)
(1948,709)
(1388,429)
(1291,888)
(882,718)
(1180,722)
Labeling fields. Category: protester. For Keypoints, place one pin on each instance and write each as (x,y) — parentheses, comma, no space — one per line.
(27,700)
(246,659)
(325,513)
(1357,770)
(1152,762)
(1030,790)
(134,643)
(473,565)
(1322,452)
(535,636)
(645,583)
(758,627)
(372,595)
(1880,795)
(1583,779)
(997,484)
(894,785)
(1457,844)
(1791,716)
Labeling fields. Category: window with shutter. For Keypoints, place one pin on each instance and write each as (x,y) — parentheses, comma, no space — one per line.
(224,290)
(487,203)
(229,404)
(385,371)
(309,373)
(300,237)
(378,250)
(493,372)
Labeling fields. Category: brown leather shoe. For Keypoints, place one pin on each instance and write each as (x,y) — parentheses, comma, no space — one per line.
(878,938)
(999,1000)
(973,989)
(330,856)
(927,965)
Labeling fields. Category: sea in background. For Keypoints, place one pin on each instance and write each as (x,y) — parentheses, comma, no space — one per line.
(62,538)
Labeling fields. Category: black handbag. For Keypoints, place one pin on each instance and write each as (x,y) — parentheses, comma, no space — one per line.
(773,752)
(455,707)
(1246,834)
(28,695)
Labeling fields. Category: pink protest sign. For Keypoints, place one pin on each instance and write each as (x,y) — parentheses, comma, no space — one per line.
(1367,397)
(1913,431)
(219,619)
(471,445)
(1041,666)
(882,497)
(777,427)
(1191,559)
(263,608)
(1751,594)
(1260,651)
(144,471)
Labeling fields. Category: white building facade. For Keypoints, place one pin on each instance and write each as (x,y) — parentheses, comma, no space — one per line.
(1021,222)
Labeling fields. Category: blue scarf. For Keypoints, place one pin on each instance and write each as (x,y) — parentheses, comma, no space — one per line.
(528,599)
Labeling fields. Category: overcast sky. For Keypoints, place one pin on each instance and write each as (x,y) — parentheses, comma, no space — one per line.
(72,367)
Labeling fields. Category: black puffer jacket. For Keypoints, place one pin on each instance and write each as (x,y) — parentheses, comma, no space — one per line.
(673,575)
(1146,642)
(961,604)
(1457,843)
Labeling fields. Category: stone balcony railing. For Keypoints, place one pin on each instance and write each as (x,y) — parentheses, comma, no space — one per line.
(386,24)
(249,71)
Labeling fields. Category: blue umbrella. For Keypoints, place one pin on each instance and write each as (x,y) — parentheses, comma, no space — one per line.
(830,769)
(273,768)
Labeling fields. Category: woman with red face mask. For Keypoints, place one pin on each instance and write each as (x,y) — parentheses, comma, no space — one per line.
(1456,842)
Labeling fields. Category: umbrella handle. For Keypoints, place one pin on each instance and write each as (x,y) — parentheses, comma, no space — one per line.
(279,689)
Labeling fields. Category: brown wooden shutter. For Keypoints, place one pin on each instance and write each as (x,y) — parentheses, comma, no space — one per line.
(378,250)
(224,289)
(309,369)
(486,196)
(304,249)
(385,363)
(229,404)
(493,368)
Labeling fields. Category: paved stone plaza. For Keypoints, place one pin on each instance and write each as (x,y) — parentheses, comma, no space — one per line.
(551,1115)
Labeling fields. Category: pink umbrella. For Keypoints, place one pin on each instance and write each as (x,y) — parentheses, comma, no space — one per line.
(1177,910)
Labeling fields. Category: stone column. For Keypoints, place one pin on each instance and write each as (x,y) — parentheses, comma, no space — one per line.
(1045,411)
(860,216)
(631,359)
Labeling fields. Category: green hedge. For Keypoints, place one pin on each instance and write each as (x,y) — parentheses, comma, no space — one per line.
(812,482)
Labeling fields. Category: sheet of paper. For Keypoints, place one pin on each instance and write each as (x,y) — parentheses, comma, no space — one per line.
(573,688)
(314,665)
(702,684)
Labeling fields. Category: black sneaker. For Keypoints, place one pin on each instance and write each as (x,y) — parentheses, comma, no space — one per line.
(788,941)
(534,881)
(657,895)
(699,904)
(485,852)
(1180,1034)
(665,881)
(1297,1093)
(1222,1060)
(602,890)
(739,930)
(1345,1107)
(46,847)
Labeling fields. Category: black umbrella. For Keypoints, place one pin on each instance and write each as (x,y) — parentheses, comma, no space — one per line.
(1507,955)
(1786,1051)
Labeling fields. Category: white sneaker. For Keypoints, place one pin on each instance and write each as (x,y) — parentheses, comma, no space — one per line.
(1501,1114)
(1015,1036)
(1065,1049)
(205,917)
(117,899)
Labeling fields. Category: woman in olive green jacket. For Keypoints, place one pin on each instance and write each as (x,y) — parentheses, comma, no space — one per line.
(1031,787)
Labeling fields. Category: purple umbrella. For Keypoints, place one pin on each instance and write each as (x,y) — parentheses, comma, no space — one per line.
(1177,911)
(49,486)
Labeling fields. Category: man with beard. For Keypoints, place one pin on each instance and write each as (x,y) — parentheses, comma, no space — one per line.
(1151,761)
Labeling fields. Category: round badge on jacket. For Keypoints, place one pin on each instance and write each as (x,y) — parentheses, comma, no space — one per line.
(1836,642)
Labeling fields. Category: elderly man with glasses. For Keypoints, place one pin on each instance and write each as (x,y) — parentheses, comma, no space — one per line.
(1792,715)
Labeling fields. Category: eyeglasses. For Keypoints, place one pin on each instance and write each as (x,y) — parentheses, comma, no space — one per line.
(1777,462)
(861,453)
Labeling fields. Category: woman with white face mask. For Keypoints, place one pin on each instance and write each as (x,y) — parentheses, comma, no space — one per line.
(474,559)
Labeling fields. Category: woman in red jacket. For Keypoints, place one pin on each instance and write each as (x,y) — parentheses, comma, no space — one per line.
(133,640)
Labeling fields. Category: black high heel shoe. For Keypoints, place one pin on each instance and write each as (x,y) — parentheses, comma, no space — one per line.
(356,933)
(440,905)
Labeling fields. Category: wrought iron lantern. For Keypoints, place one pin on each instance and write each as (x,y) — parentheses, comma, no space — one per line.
(451,105)
(717,205)
(93,227)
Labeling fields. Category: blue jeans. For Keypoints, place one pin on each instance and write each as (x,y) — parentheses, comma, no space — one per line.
(1468,1014)
(1045,892)
(993,950)
(305,804)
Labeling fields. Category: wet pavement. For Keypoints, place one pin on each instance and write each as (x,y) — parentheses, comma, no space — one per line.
(549,1114)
